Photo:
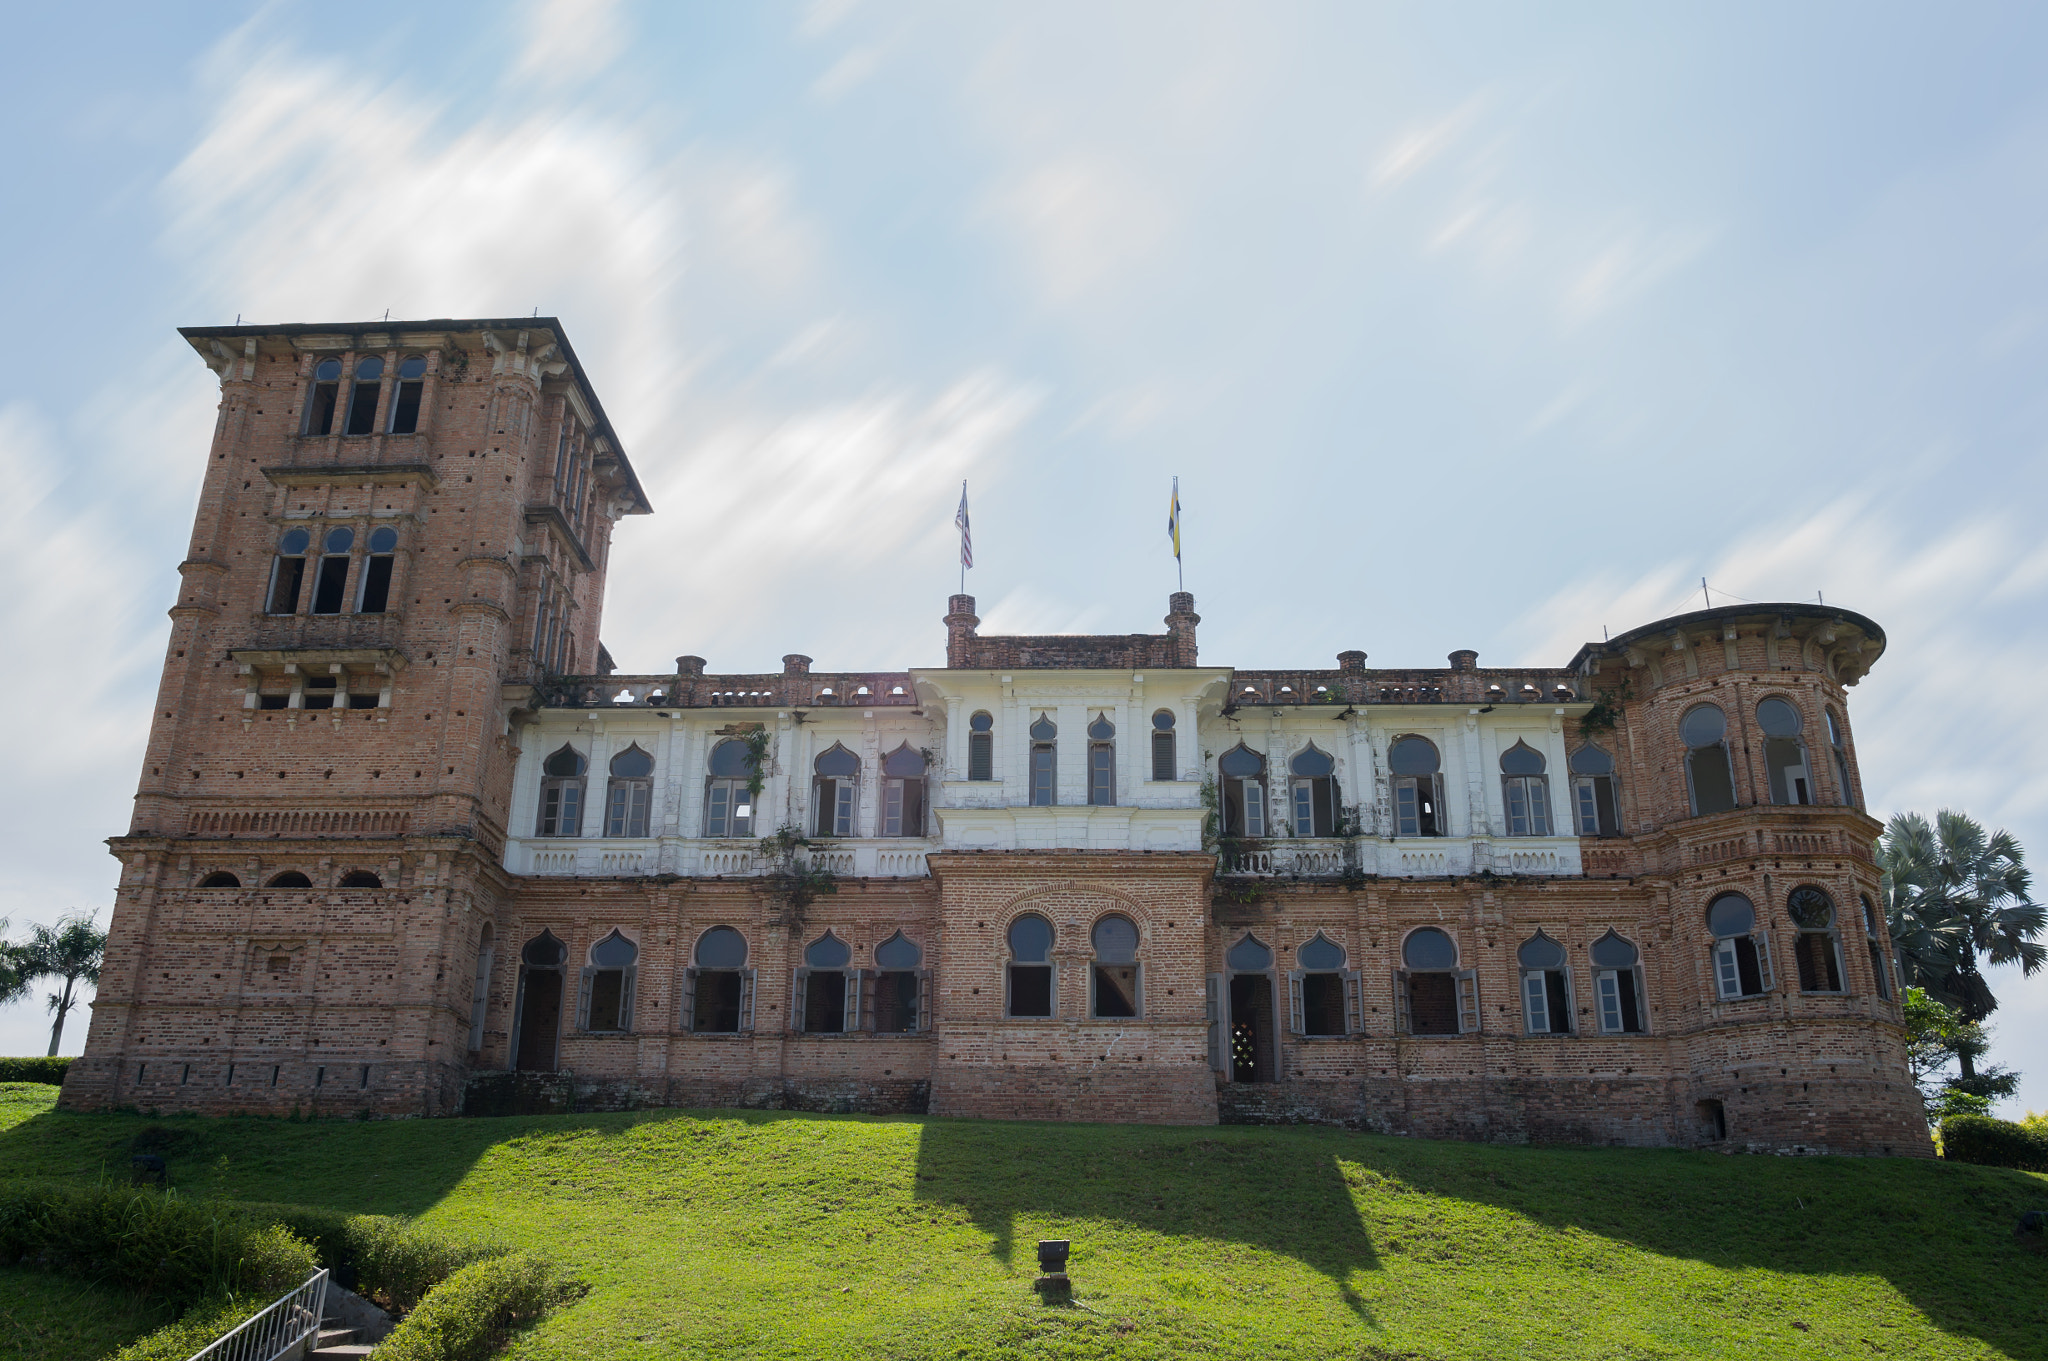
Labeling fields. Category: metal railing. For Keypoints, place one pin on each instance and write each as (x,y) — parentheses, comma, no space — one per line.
(282,1326)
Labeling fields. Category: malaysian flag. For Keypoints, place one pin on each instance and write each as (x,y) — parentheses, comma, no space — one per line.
(966,539)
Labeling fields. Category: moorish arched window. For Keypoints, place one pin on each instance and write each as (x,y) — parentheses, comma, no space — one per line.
(561,793)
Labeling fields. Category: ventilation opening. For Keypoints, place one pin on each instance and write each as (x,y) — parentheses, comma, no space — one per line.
(1713,1120)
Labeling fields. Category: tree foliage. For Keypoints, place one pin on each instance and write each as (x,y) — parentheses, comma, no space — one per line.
(1936,1037)
(69,952)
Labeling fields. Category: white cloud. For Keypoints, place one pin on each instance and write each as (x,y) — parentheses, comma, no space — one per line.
(569,40)
(1419,146)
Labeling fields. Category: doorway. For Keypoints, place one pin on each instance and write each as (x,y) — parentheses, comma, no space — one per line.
(539,1018)
(1251,1028)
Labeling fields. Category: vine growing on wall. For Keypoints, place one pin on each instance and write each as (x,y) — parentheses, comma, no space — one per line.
(792,882)
(1608,702)
(757,758)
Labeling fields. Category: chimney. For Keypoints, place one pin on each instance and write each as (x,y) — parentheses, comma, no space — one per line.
(796,664)
(1180,623)
(1353,661)
(1464,659)
(689,666)
(960,625)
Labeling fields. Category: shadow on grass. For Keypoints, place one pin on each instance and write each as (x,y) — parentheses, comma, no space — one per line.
(1282,1196)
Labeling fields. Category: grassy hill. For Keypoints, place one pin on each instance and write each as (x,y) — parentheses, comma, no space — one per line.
(769,1235)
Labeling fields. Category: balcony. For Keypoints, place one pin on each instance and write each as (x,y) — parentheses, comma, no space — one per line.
(324,632)
(693,858)
(1405,858)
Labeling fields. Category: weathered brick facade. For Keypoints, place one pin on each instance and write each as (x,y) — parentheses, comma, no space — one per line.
(1059,878)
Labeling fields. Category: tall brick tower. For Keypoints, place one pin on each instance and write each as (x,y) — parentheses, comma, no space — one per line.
(402,525)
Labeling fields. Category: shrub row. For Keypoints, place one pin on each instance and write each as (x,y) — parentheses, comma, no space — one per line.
(174,1249)
(202,1325)
(467,1316)
(1994,1143)
(34,1070)
(383,1258)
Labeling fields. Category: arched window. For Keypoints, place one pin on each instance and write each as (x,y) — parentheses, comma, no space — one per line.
(1618,984)
(289,879)
(480,986)
(1244,1025)
(1028,979)
(718,989)
(1323,996)
(330,582)
(1819,946)
(1165,765)
(1742,953)
(826,997)
(322,398)
(630,793)
(1433,994)
(220,879)
(1546,987)
(1313,792)
(835,783)
(604,1005)
(561,793)
(981,747)
(1709,777)
(362,396)
(1845,792)
(360,879)
(1114,984)
(1593,792)
(375,593)
(1102,762)
(537,1014)
(1784,752)
(1880,971)
(903,792)
(901,985)
(1044,765)
(1243,774)
(1418,787)
(405,406)
(728,803)
(1525,790)
(288,573)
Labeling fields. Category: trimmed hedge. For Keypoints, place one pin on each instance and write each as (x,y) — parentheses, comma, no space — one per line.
(202,1326)
(177,1250)
(34,1070)
(381,1257)
(1987,1142)
(468,1316)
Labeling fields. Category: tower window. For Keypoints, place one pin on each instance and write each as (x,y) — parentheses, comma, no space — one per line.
(981,747)
(1114,983)
(1742,954)
(826,998)
(1546,987)
(1029,975)
(1525,790)
(718,991)
(1437,997)
(1784,752)
(1418,788)
(728,803)
(630,793)
(1243,773)
(1323,996)
(835,787)
(330,585)
(319,692)
(903,792)
(561,793)
(900,987)
(288,573)
(1708,776)
(605,1003)
(1838,742)
(1593,792)
(376,587)
(1165,764)
(1819,946)
(1618,985)
(362,396)
(405,406)
(1044,768)
(1102,762)
(322,397)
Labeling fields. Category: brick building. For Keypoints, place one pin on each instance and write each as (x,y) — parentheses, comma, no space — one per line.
(405,844)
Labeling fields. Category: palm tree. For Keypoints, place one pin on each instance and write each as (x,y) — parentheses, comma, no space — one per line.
(13,982)
(1956,898)
(70,951)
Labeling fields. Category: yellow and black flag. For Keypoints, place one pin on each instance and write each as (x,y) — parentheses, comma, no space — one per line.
(1173,529)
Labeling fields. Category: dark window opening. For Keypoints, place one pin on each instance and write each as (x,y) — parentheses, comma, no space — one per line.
(981,747)
(220,879)
(1251,1028)
(1878,971)
(1030,990)
(1418,788)
(1164,761)
(836,780)
(376,584)
(319,693)
(1784,752)
(1713,1118)
(285,581)
(1043,733)
(1116,991)
(273,701)
(1593,792)
(330,585)
(1322,1004)
(1313,792)
(405,408)
(362,701)
(903,772)
(607,992)
(1102,762)
(1709,776)
(362,396)
(1244,791)
(322,398)
(717,1008)
(825,1002)
(290,879)
(896,1003)
(1816,950)
(1432,1004)
(361,879)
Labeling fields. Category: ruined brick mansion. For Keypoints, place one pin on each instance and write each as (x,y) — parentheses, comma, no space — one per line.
(405,844)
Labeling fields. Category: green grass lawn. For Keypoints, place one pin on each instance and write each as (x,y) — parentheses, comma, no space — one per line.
(734,1233)
(54,1318)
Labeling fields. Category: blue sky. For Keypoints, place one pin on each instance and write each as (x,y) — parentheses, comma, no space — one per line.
(1463,326)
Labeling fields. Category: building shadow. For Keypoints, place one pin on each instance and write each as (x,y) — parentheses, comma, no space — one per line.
(1266,1189)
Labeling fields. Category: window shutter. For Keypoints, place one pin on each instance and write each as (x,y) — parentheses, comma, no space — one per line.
(1468,1002)
(747,999)
(628,976)
(1213,1011)
(583,999)
(859,1000)
(1401,1024)
(1354,1002)
(1642,1000)
(1254,808)
(1763,961)
(686,1018)
(924,999)
(1535,1003)
(1608,986)
(1443,812)
(1726,974)
(798,990)
(1294,1008)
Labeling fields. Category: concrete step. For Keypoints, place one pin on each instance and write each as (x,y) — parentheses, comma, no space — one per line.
(334,1335)
(345,1351)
